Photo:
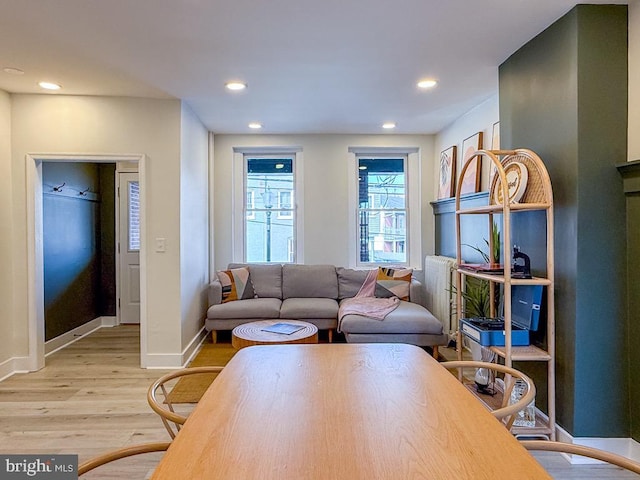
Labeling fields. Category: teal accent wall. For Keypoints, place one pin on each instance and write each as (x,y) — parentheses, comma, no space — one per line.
(474,228)
(79,281)
(564,95)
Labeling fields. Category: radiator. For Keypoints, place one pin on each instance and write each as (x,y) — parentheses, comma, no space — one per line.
(438,281)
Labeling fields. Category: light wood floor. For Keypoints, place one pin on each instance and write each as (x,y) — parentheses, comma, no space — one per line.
(91,398)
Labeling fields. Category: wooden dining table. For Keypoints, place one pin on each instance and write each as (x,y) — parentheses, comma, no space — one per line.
(342,411)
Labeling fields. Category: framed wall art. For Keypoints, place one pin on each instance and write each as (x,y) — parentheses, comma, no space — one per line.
(471,181)
(447,183)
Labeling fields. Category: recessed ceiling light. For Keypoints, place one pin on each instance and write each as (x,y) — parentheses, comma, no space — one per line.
(235,86)
(13,71)
(388,125)
(362,167)
(427,83)
(255,125)
(279,166)
(49,86)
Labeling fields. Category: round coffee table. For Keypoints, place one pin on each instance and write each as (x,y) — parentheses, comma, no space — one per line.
(253,333)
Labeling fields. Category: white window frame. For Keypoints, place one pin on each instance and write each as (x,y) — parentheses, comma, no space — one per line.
(413,172)
(239,197)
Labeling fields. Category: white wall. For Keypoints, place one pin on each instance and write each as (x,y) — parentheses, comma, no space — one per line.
(479,119)
(325,189)
(482,117)
(194,223)
(100,125)
(633,150)
(6,229)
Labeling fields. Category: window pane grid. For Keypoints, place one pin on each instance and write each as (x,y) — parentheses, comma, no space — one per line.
(134,217)
(269,211)
(382,212)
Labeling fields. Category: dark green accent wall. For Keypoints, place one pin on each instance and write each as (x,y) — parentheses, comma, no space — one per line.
(631,175)
(75,235)
(107,178)
(564,95)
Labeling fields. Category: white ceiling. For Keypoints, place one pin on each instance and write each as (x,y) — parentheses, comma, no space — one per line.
(325,66)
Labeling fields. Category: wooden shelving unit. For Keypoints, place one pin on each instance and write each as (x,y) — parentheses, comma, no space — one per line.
(538,196)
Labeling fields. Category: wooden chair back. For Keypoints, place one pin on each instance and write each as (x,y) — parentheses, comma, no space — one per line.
(590,452)
(122,453)
(507,412)
(159,397)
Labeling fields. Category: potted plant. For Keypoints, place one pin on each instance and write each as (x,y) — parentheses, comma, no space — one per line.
(476,294)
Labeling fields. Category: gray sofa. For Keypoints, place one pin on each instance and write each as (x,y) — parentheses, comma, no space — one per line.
(312,293)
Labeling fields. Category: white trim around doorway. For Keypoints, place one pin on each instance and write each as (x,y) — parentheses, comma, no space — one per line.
(35,267)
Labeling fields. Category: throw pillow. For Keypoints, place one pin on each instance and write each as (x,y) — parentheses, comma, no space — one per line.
(394,282)
(236,284)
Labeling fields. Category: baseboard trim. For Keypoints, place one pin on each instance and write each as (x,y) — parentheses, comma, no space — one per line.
(627,447)
(77,333)
(194,345)
(15,365)
(163,361)
(109,321)
(12,366)
(176,360)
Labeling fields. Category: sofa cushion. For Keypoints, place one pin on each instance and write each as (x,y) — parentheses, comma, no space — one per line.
(393,282)
(236,284)
(407,318)
(266,278)
(349,281)
(309,281)
(308,308)
(251,308)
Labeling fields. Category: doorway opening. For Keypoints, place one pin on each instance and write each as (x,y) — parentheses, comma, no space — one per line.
(125,163)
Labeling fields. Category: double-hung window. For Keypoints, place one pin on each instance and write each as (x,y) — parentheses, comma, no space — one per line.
(385,205)
(268,232)
(382,210)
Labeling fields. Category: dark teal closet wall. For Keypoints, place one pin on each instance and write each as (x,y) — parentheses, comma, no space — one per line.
(108,241)
(79,280)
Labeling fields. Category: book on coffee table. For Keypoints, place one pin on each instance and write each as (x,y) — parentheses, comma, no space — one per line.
(283,328)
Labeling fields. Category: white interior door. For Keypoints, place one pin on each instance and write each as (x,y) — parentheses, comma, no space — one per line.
(129,247)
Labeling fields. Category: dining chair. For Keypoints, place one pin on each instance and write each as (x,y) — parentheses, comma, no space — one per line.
(591,452)
(121,453)
(506,413)
(159,397)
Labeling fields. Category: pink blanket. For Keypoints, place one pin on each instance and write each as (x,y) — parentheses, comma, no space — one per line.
(365,304)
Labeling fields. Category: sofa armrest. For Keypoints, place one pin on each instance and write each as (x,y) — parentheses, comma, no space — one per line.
(416,293)
(215,292)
